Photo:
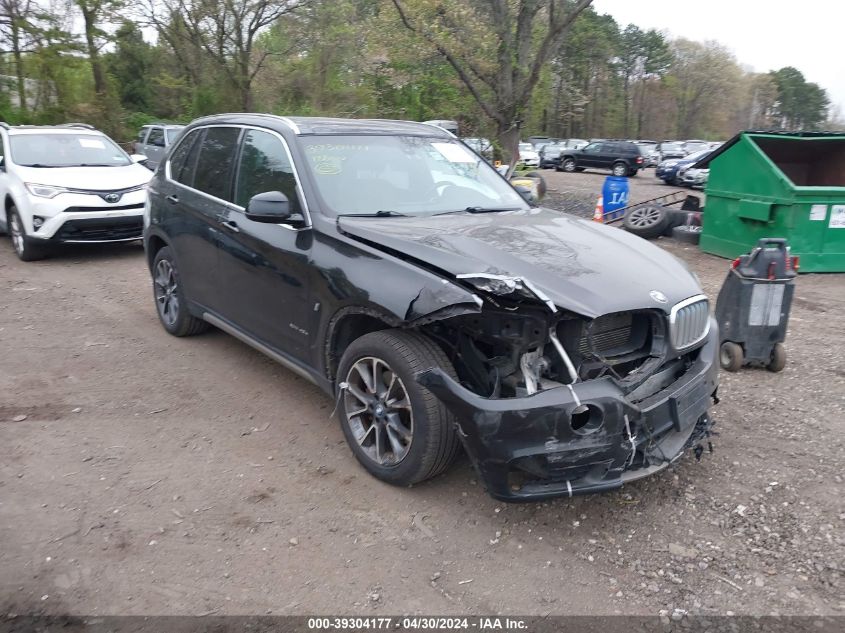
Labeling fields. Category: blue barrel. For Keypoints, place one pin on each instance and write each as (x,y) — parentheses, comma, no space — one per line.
(614,196)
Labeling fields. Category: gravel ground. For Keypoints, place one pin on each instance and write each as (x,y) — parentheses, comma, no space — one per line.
(142,474)
(577,193)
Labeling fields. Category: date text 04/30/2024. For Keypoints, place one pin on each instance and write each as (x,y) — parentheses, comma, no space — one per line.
(416,623)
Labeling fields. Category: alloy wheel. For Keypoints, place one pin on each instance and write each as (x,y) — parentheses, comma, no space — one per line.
(644,217)
(619,170)
(167,301)
(378,411)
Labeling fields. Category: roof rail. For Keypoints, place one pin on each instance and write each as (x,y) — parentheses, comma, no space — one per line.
(82,125)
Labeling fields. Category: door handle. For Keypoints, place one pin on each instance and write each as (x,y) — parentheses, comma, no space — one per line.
(232,226)
(172,199)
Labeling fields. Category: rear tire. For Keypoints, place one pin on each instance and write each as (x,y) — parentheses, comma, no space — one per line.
(648,221)
(619,169)
(401,445)
(778,359)
(26,248)
(730,356)
(171,304)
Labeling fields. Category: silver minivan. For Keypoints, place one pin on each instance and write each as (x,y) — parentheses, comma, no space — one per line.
(154,140)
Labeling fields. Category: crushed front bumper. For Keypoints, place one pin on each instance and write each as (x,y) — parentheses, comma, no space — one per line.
(526,449)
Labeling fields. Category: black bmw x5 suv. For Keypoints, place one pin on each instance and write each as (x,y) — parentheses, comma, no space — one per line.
(397,270)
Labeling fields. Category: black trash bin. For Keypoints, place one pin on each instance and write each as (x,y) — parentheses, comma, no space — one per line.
(753,306)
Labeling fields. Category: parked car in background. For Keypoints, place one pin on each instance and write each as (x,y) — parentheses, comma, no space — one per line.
(539,141)
(622,158)
(396,270)
(693,146)
(68,184)
(481,146)
(695,178)
(575,143)
(669,171)
(667,150)
(528,156)
(647,149)
(154,140)
(550,154)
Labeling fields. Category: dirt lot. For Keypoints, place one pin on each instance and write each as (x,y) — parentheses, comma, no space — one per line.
(143,474)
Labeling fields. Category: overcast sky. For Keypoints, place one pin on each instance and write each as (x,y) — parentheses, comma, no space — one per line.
(763,34)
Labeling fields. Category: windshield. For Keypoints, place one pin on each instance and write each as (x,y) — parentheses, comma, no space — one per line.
(406,175)
(696,147)
(66,150)
(526,147)
(671,147)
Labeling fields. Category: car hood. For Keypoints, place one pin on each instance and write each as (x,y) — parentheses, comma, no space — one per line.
(581,266)
(88,178)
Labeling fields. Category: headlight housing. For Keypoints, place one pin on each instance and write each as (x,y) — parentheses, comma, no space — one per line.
(44,191)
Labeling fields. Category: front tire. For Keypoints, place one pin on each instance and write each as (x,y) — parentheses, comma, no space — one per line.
(398,430)
(171,306)
(568,165)
(25,248)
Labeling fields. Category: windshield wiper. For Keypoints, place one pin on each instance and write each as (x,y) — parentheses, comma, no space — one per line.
(377,214)
(40,165)
(480,210)
(97,165)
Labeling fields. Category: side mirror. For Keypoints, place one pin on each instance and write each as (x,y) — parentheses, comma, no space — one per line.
(272,207)
(138,158)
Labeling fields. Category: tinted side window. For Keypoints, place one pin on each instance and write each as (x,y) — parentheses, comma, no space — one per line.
(265,166)
(156,137)
(184,158)
(214,166)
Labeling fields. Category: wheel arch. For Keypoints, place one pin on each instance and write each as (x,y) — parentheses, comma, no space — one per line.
(152,245)
(348,324)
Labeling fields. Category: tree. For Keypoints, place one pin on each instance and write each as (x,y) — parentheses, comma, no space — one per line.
(800,105)
(498,49)
(131,67)
(226,31)
(95,15)
(17,29)
(704,78)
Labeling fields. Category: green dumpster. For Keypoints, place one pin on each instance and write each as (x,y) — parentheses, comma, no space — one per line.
(778,184)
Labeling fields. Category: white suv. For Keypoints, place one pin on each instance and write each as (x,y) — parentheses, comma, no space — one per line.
(68,184)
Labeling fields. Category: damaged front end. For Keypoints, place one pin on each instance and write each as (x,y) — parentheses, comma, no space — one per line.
(553,403)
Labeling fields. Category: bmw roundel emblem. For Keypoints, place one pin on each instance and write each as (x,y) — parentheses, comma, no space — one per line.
(658,296)
(112,197)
